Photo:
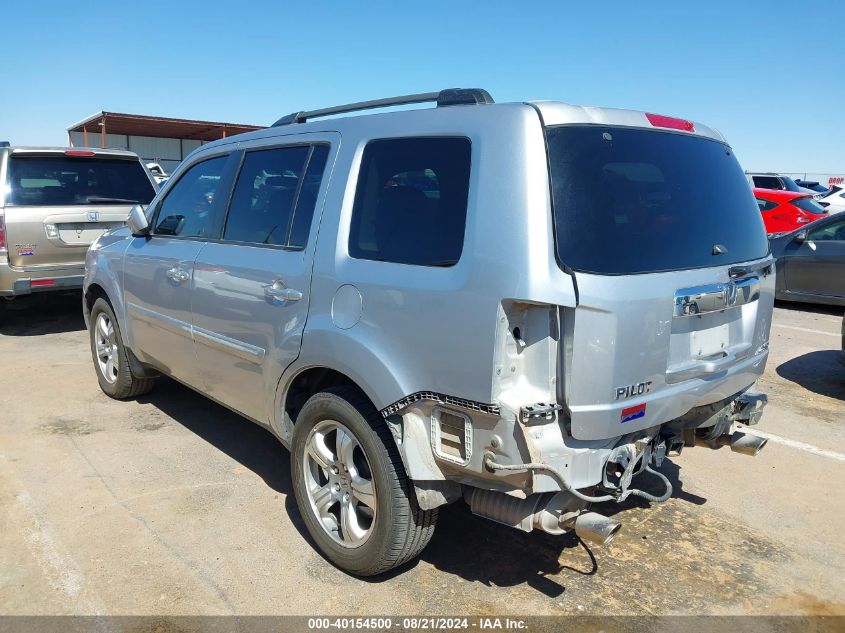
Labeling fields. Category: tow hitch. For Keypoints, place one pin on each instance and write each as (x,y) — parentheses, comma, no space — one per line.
(627,461)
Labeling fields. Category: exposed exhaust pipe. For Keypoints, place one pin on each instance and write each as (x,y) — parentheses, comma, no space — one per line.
(747,444)
(551,513)
(740,442)
(596,528)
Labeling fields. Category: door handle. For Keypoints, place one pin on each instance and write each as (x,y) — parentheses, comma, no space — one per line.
(278,290)
(178,275)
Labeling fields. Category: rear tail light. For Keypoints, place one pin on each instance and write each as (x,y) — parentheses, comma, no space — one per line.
(3,245)
(659,120)
(40,283)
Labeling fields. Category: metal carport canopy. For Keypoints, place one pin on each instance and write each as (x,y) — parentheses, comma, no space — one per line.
(104,123)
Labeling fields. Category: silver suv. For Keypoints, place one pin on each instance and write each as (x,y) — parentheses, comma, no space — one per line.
(524,305)
(54,201)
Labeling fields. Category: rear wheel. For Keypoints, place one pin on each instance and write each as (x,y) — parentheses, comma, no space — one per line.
(111,358)
(351,487)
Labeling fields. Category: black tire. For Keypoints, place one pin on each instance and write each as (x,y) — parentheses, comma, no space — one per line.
(124,384)
(400,529)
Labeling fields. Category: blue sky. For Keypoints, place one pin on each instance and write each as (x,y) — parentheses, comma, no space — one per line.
(769,75)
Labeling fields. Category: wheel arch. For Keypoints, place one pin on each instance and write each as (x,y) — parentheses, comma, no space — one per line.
(302,383)
(93,292)
(410,436)
(102,280)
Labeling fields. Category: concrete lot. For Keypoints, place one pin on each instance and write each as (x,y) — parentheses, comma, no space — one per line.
(174,505)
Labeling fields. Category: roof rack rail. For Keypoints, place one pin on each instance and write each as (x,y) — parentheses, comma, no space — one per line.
(447,97)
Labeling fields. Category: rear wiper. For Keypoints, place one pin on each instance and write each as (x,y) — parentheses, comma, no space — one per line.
(92,199)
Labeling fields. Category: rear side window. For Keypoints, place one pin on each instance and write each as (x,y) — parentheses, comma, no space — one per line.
(274,198)
(766,205)
(636,201)
(190,208)
(411,201)
(809,205)
(768,182)
(65,180)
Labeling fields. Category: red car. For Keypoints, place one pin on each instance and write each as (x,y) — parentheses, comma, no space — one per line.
(785,211)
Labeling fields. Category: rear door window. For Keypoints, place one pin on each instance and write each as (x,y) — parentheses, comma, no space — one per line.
(66,180)
(192,206)
(274,198)
(630,200)
(262,205)
(411,201)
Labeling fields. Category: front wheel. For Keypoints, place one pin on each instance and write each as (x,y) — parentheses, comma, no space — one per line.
(351,487)
(111,358)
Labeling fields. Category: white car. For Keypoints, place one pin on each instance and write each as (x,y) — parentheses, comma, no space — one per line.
(834,201)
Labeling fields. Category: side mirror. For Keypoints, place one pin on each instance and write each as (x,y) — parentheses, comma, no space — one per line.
(800,236)
(138,221)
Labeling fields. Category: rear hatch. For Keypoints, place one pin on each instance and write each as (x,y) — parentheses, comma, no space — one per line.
(670,258)
(58,202)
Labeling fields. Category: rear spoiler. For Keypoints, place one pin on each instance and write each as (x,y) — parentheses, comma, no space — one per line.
(75,152)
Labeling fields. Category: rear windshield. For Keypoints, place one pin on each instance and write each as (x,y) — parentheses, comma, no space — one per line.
(790,184)
(809,205)
(65,180)
(637,201)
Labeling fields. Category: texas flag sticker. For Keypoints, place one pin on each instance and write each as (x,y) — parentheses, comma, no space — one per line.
(633,413)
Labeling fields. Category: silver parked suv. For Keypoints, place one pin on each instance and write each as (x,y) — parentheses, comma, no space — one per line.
(524,305)
(54,201)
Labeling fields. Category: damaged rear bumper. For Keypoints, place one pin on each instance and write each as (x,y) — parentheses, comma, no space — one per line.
(529,473)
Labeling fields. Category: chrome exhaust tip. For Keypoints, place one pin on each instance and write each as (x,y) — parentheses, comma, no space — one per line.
(747,444)
(743,443)
(596,528)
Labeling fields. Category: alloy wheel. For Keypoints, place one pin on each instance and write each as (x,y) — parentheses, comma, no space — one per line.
(339,483)
(105,341)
